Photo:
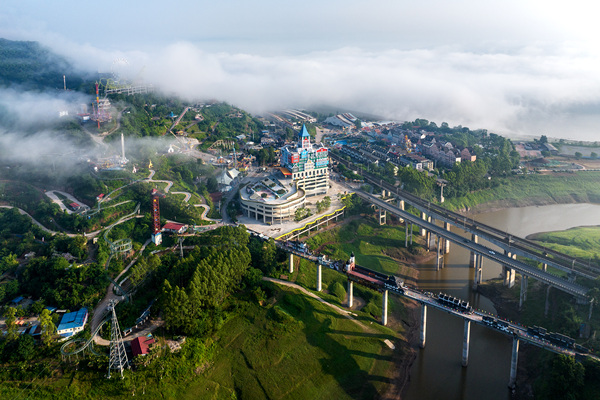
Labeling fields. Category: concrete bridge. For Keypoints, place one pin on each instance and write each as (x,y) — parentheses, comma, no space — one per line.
(478,252)
(512,244)
(517,332)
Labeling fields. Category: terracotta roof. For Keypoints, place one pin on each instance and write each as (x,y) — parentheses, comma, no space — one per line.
(140,345)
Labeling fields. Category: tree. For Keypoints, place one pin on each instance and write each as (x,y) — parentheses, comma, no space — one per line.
(578,155)
(566,378)
(48,327)
(7,262)
(594,155)
(11,323)
(543,139)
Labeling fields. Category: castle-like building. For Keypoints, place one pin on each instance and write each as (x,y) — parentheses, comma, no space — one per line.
(307,164)
(275,199)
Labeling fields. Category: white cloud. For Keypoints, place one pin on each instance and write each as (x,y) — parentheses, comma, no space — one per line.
(503,92)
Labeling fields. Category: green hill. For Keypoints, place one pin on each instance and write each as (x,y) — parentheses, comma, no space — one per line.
(32,66)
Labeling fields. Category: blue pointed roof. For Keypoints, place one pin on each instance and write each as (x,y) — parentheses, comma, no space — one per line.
(303,132)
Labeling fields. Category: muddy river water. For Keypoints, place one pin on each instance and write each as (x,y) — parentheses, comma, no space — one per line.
(437,372)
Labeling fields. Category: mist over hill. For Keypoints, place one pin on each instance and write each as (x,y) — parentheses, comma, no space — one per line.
(31,66)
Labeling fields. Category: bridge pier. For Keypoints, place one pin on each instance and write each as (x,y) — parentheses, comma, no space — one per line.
(350,293)
(291,263)
(319,267)
(408,234)
(507,272)
(523,293)
(466,340)
(384,308)
(423,332)
(382,216)
(401,206)
(440,256)
(547,305)
(513,363)
(428,241)
(424,218)
(478,278)
(545,267)
(473,257)
(446,241)
(509,276)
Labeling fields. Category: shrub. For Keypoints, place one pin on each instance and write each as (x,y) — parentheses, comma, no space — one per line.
(337,289)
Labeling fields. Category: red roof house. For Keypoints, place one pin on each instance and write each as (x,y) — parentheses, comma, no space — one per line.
(140,345)
(174,227)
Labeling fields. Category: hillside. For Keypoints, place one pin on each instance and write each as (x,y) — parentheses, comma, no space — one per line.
(33,66)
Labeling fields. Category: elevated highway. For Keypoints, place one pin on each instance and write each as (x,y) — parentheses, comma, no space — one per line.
(507,242)
(525,269)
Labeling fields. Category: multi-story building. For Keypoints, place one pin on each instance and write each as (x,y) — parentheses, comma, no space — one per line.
(308,164)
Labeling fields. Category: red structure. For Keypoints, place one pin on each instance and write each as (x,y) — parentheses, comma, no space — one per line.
(141,345)
(156,229)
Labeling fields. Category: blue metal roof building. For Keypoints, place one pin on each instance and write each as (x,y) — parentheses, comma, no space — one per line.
(72,323)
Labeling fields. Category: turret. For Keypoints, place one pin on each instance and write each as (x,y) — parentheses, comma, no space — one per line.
(350,264)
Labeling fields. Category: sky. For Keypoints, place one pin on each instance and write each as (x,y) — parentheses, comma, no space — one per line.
(517,68)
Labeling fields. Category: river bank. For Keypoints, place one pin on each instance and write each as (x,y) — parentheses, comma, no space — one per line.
(531,190)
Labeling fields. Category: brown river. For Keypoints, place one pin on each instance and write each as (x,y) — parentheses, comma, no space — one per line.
(437,372)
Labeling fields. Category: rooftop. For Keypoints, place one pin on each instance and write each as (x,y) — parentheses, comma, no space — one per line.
(72,320)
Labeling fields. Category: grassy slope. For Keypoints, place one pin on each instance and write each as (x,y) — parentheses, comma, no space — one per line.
(294,348)
(370,243)
(313,353)
(536,189)
(582,242)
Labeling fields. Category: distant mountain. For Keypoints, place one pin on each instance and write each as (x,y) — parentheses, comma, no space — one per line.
(32,66)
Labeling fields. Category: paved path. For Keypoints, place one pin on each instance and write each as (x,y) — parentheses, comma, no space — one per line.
(55,199)
(98,313)
(23,212)
(339,310)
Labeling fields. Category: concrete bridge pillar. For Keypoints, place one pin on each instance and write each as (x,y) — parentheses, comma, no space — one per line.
(545,267)
(466,340)
(523,294)
(319,277)
(440,255)
(291,263)
(478,278)
(424,218)
(513,363)
(473,258)
(384,308)
(409,233)
(446,241)
(401,206)
(547,305)
(350,293)
(382,216)
(509,273)
(423,333)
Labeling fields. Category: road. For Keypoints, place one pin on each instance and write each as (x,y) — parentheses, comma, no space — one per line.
(99,310)
(510,243)
(55,199)
(546,277)
(23,212)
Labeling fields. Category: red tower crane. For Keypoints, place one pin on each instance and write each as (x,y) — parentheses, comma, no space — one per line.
(156,228)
